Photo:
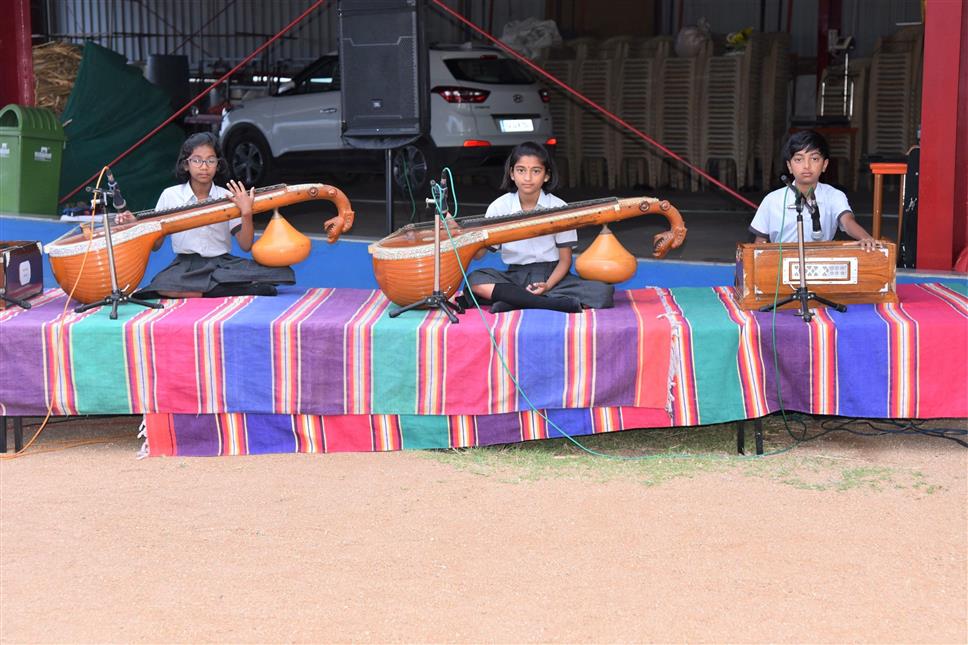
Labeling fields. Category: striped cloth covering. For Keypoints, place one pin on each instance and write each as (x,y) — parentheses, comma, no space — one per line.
(877,361)
(330,352)
(328,369)
(244,434)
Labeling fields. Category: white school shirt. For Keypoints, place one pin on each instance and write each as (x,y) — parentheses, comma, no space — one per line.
(536,249)
(208,241)
(832,203)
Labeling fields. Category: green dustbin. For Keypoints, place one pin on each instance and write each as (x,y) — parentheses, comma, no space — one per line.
(31,150)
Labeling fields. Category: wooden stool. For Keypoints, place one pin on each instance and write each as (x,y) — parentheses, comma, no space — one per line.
(879,170)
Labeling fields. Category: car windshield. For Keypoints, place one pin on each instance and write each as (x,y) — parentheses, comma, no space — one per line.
(489,69)
(319,76)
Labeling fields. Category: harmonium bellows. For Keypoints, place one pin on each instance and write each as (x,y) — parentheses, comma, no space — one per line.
(840,271)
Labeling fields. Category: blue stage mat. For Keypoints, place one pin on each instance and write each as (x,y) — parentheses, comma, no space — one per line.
(347,264)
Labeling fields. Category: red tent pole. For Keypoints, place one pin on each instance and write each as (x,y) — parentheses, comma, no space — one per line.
(943,188)
(17,64)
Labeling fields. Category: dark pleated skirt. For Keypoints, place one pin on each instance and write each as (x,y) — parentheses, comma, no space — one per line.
(192,272)
(591,293)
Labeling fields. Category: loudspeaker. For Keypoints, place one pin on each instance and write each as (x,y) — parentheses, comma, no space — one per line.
(383,69)
(170,73)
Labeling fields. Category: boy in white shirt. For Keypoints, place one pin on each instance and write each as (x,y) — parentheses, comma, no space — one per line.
(806,155)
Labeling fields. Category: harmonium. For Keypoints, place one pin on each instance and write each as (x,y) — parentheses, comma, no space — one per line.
(839,271)
(21,273)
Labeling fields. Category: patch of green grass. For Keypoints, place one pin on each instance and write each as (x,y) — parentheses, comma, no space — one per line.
(649,456)
(654,456)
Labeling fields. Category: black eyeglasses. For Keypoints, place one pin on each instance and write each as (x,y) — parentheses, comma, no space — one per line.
(198,161)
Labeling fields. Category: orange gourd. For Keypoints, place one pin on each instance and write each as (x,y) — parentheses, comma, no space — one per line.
(281,245)
(606,260)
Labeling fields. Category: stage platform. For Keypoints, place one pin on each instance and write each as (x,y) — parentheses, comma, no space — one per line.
(322,367)
(326,369)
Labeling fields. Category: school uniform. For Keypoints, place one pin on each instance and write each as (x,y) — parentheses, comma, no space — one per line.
(204,262)
(776,217)
(534,259)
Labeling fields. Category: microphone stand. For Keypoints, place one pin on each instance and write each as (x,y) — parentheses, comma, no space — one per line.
(117,296)
(437,299)
(802,294)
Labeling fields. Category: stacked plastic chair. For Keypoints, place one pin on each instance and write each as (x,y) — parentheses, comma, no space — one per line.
(594,133)
(636,162)
(616,48)
(584,47)
(773,94)
(563,113)
(728,121)
(654,47)
(894,101)
(678,120)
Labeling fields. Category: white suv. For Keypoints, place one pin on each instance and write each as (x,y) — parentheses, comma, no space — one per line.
(482,104)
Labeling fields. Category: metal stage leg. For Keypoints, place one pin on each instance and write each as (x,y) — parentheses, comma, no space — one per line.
(18,434)
(757,436)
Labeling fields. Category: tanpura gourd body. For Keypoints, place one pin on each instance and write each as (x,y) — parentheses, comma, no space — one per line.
(281,245)
(606,260)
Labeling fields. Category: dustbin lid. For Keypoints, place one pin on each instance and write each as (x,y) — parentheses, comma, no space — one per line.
(39,123)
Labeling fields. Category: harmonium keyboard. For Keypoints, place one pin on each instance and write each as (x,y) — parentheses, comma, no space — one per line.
(839,271)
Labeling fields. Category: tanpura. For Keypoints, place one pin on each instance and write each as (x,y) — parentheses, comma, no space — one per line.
(403,263)
(79,260)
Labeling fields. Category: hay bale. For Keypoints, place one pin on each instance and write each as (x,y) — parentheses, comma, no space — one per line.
(55,71)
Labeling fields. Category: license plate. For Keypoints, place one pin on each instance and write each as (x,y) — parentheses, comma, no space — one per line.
(516,125)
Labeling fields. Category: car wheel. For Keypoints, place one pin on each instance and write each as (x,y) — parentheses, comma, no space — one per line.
(248,157)
(413,167)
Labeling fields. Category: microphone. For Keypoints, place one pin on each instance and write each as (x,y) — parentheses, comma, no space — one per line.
(817,233)
(798,196)
(117,200)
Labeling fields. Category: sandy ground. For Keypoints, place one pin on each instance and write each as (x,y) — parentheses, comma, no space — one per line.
(98,546)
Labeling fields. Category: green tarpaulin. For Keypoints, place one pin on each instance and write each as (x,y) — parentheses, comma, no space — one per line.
(111,107)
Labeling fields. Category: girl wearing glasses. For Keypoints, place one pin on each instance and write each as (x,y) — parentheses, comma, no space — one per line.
(204,265)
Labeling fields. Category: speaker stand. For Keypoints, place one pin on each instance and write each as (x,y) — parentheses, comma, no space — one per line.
(389,189)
